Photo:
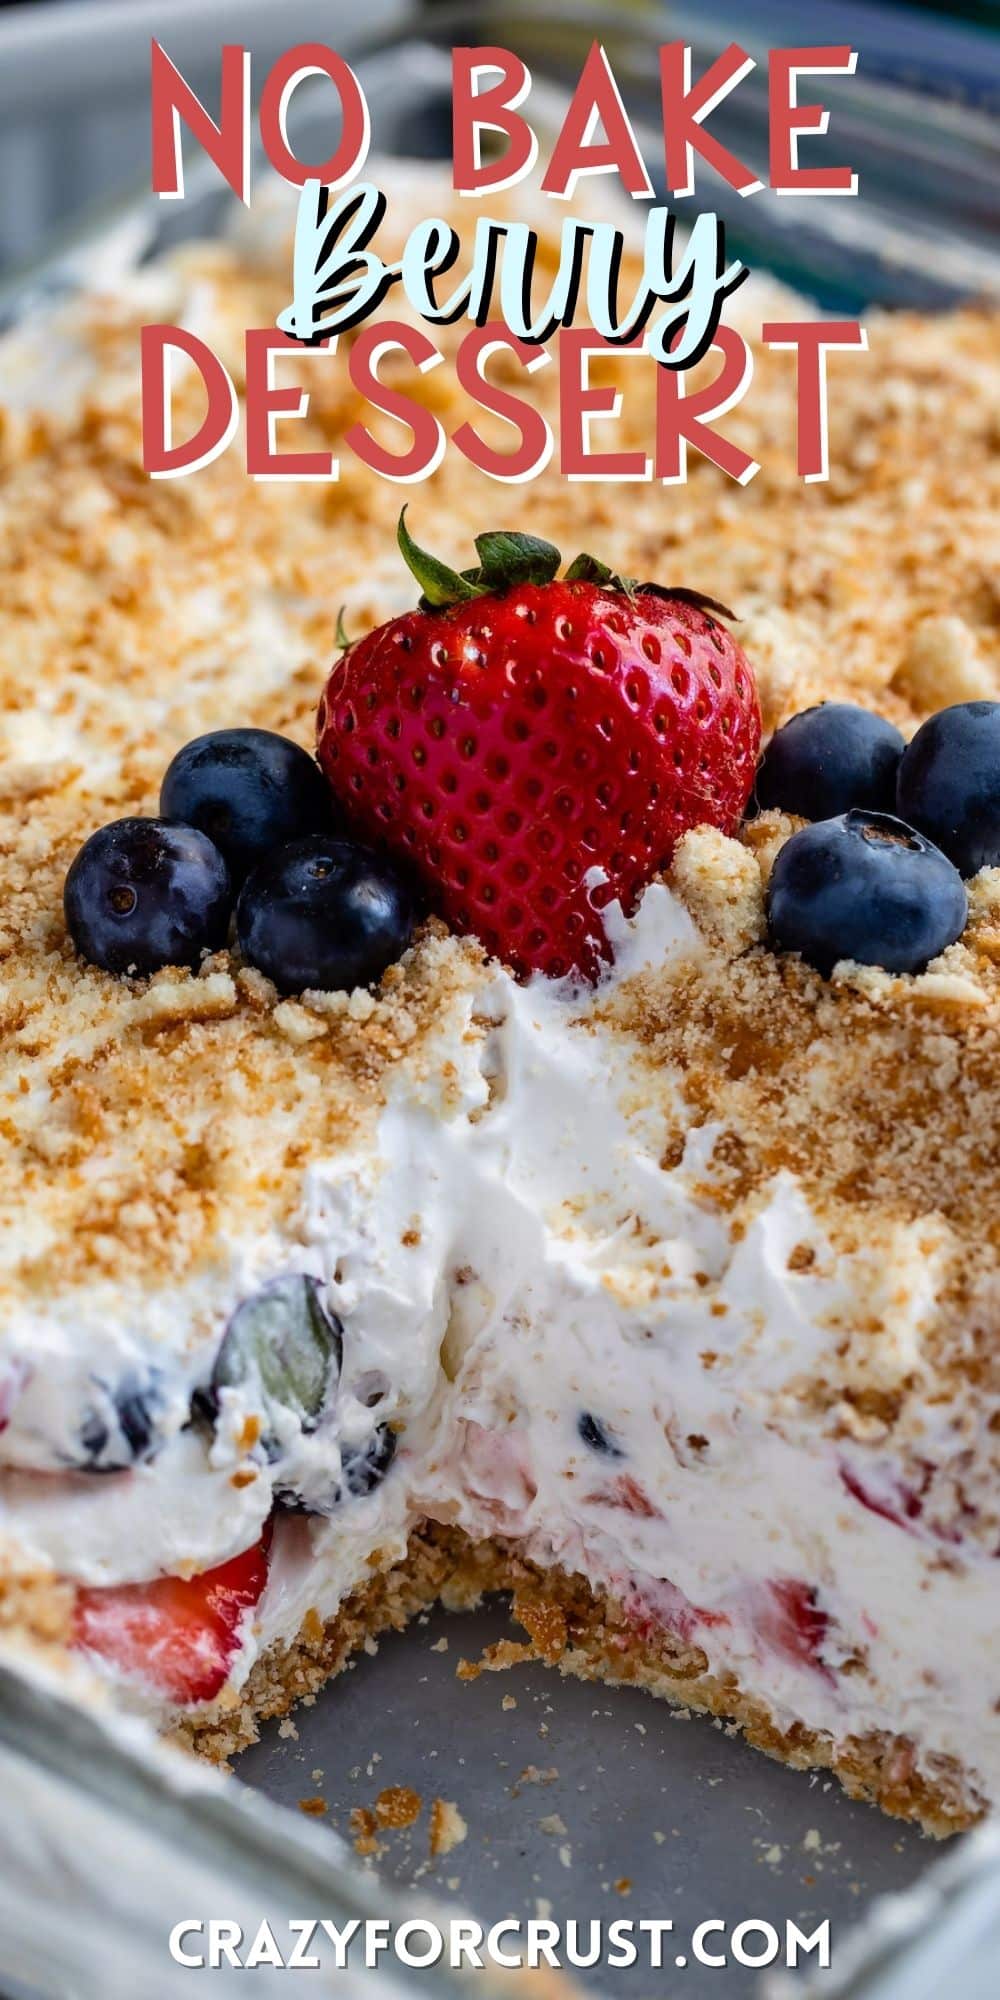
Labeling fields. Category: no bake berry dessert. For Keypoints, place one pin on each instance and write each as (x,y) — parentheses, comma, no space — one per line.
(508,1099)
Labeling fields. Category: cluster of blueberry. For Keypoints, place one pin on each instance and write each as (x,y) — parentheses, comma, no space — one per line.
(878,875)
(247,821)
(282,1345)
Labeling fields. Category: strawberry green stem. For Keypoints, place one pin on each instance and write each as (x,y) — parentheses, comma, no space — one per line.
(508,558)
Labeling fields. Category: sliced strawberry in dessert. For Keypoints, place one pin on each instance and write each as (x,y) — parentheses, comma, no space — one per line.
(625,1493)
(892,1498)
(657,1605)
(178,1634)
(532,747)
(789,1619)
(908,1502)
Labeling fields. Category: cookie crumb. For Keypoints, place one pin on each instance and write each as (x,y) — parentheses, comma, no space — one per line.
(363,1831)
(942,665)
(397,1807)
(447,1827)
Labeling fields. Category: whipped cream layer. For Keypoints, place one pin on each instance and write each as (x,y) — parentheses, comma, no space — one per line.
(576,1350)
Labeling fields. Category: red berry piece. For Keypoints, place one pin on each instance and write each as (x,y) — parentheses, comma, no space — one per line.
(179,1635)
(790,1620)
(517,732)
(894,1501)
(626,1494)
(658,1606)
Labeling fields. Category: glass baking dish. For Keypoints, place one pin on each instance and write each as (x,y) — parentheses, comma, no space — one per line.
(107,1839)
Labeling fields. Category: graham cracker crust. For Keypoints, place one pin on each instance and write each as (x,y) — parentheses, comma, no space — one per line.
(582,1632)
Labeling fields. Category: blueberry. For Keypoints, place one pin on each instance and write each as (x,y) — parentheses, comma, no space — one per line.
(144,893)
(323,913)
(287,1346)
(949,783)
(362,1468)
(827,760)
(365,1468)
(597,1436)
(120,1427)
(867,887)
(249,790)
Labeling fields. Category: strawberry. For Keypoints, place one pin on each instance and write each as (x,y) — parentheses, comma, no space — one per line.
(789,1617)
(518,731)
(178,1634)
(893,1499)
(660,1606)
(903,1501)
(626,1493)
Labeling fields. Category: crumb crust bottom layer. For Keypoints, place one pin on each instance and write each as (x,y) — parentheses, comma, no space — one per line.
(582,1632)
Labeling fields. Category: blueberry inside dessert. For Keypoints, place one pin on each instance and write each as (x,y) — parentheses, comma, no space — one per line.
(285,1347)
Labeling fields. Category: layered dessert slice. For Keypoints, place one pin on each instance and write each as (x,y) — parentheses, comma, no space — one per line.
(623,1235)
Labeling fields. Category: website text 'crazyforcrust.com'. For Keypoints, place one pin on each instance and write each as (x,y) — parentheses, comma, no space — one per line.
(308,1943)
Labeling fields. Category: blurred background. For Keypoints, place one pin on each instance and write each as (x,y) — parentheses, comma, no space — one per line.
(920,121)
